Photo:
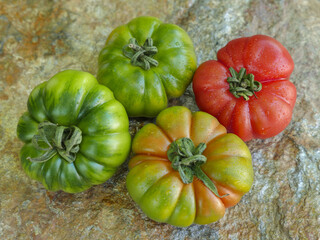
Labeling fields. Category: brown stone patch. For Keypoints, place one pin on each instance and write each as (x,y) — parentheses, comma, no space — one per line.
(45,22)
(3,96)
(11,73)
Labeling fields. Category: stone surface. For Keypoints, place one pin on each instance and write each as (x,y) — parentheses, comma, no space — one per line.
(41,38)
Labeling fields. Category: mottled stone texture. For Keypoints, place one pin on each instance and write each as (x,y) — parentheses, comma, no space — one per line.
(41,38)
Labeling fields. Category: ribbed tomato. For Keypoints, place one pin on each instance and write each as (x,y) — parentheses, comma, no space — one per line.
(248,87)
(145,63)
(76,134)
(183,165)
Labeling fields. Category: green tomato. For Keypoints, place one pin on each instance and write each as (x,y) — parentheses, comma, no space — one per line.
(76,134)
(145,62)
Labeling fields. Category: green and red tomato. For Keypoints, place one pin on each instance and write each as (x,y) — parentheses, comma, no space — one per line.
(187,169)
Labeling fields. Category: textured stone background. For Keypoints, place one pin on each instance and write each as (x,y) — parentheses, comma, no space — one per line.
(40,38)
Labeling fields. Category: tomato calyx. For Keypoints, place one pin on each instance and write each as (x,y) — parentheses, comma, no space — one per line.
(242,84)
(53,139)
(141,56)
(187,159)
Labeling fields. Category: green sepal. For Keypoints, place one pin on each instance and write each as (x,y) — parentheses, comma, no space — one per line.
(187,159)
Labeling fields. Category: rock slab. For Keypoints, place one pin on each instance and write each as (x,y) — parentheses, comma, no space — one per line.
(40,38)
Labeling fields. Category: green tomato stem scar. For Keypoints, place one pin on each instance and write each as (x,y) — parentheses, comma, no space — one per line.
(141,56)
(187,159)
(242,84)
(56,139)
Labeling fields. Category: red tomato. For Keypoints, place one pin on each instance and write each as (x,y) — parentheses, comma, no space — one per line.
(257,104)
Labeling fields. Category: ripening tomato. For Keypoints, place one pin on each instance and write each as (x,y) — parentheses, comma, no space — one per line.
(248,87)
(187,168)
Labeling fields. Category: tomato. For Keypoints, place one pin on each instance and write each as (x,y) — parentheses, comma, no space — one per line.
(187,169)
(145,62)
(248,87)
(76,134)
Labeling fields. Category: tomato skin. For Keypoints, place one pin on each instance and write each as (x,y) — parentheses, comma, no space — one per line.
(261,117)
(74,98)
(158,189)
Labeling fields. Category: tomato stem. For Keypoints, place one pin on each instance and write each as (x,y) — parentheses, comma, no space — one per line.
(53,139)
(141,56)
(187,159)
(242,84)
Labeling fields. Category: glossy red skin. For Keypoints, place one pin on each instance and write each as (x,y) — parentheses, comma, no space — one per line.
(261,117)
